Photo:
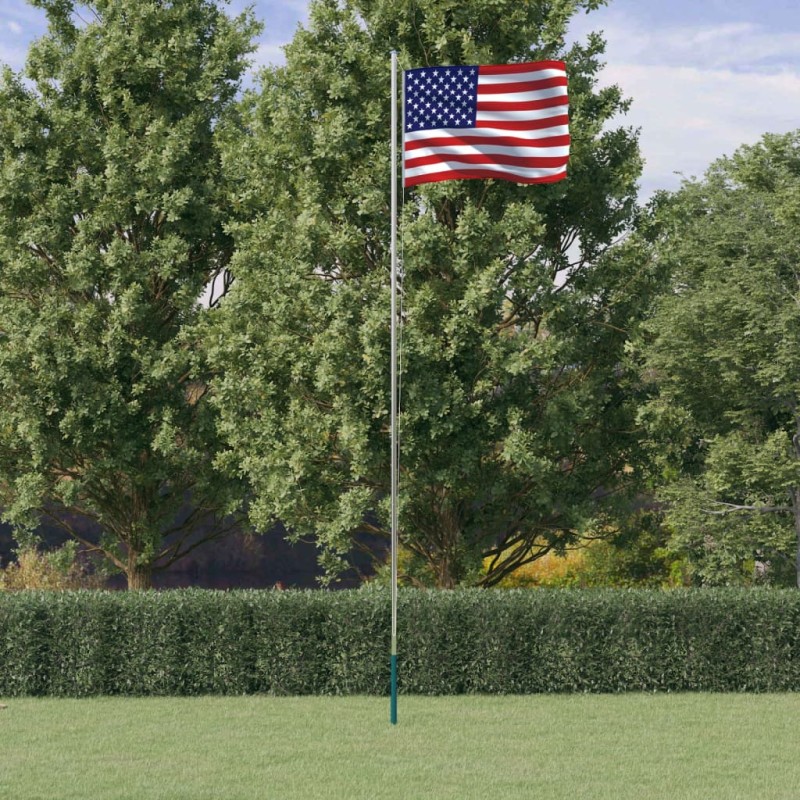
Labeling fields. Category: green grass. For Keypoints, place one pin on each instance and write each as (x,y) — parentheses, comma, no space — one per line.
(573,746)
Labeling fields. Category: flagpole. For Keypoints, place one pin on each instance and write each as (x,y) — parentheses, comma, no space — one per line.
(395,461)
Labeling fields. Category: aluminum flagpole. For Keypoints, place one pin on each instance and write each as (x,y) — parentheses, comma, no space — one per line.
(395,463)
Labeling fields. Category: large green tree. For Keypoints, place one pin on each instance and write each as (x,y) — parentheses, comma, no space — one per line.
(515,421)
(723,354)
(112,220)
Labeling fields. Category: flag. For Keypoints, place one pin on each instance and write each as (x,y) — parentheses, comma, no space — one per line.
(503,121)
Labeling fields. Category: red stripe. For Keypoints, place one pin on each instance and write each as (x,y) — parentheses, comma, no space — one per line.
(521,86)
(528,125)
(522,125)
(500,141)
(510,69)
(525,105)
(466,174)
(533,162)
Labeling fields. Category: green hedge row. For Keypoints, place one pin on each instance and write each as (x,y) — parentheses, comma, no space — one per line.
(517,641)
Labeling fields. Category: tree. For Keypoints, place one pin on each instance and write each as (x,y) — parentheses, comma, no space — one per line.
(112,222)
(515,420)
(722,353)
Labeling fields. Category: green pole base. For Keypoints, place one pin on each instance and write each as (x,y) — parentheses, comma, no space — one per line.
(393,701)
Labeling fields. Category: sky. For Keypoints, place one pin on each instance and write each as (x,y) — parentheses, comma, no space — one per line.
(705,75)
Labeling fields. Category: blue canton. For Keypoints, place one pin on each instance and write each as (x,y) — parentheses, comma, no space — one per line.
(440,97)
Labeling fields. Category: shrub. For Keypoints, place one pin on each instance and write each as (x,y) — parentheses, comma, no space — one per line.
(59,570)
(631,557)
(193,642)
(552,570)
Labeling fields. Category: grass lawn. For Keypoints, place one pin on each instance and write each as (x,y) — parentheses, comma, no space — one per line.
(574,746)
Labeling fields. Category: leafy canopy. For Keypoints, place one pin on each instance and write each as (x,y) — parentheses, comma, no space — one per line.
(722,352)
(112,218)
(514,415)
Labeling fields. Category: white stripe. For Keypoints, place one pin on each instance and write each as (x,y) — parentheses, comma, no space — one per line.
(489,149)
(458,166)
(523,97)
(520,116)
(512,77)
(465,133)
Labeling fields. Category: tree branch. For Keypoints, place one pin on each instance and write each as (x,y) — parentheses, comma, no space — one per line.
(733,508)
(90,546)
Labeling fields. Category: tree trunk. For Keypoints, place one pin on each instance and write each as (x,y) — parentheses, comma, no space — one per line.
(447,536)
(797,533)
(445,578)
(796,501)
(140,576)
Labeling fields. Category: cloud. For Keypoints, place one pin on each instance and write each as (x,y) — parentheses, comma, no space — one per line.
(689,116)
(20,23)
(13,55)
(739,46)
(699,92)
(19,17)
(269,54)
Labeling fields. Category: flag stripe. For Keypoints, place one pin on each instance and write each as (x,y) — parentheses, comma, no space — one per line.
(488,158)
(503,121)
(516,97)
(515,124)
(525,105)
(532,75)
(521,97)
(526,172)
(553,126)
(510,69)
(522,86)
(542,176)
(495,140)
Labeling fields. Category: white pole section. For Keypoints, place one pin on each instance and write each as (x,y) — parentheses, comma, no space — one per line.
(395,467)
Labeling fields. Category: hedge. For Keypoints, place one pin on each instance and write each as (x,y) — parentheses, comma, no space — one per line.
(194,642)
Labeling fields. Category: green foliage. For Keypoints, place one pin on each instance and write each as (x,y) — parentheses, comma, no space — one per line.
(59,570)
(112,219)
(722,353)
(625,560)
(515,408)
(634,556)
(467,641)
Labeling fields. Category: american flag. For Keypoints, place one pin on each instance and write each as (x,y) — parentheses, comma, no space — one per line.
(503,121)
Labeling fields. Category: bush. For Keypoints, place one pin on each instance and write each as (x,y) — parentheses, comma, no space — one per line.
(56,570)
(194,642)
(634,555)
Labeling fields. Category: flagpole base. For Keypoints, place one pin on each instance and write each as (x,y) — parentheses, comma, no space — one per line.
(393,700)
